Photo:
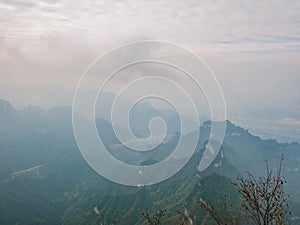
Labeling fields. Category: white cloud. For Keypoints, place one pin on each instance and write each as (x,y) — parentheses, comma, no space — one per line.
(46,43)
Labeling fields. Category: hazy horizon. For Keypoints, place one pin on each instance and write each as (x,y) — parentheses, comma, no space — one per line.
(252,47)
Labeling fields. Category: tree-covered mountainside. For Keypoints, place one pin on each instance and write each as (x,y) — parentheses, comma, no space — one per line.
(45,180)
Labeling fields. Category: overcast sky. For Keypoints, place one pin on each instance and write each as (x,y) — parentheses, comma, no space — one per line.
(252,46)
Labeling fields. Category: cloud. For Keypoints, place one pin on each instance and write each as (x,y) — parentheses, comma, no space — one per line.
(188,21)
(17,4)
(252,45)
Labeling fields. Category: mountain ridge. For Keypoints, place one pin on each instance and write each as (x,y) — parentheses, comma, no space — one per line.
(69,189)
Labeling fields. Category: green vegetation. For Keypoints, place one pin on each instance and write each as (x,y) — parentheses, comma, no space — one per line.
(64,190)
(263,202)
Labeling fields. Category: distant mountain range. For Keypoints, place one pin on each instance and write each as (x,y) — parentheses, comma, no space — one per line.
(45,180)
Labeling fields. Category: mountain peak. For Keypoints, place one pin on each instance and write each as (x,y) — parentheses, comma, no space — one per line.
(5,107)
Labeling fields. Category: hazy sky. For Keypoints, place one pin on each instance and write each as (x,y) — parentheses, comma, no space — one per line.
(252,46)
